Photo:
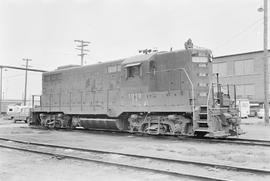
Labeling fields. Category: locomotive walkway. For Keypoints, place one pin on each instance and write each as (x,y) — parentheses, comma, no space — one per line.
(179,168)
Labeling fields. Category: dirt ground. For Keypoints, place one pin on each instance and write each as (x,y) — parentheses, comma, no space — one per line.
(22,166)
(255,129)
(15,165)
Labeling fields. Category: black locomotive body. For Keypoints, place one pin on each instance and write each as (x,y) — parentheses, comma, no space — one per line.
(158,93)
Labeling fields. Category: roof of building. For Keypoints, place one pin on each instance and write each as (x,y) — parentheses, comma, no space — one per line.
(239,54)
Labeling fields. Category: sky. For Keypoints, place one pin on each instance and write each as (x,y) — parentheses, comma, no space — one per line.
(45,30)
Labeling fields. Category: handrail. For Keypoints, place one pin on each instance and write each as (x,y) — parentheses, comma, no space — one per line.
(192,92)
(208,99)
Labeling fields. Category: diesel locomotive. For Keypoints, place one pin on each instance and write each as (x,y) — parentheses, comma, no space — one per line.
(172,93)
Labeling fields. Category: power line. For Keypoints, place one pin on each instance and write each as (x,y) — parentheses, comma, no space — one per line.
(21,68)
(235,36)
(81,47)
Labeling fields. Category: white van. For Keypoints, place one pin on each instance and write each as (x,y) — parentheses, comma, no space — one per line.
(12,110)
(22,115)
(244,107)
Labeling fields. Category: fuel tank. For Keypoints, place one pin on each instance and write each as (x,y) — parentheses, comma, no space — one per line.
(111,124)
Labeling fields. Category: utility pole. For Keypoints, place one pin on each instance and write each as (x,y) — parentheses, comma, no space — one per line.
(81,47)
(25,83)
(266,76)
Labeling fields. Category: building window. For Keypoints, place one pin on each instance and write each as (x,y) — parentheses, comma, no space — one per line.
(245,91)
(46,78)
(220,68)
(244,67)
(268,64)
(52,77)
(55,77)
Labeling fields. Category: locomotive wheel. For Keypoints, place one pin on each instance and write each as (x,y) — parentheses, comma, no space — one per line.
(143,128)
(146,129)
(57,124)
(50,124)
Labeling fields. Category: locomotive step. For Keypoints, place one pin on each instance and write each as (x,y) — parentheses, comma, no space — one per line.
(202,116)
(203,109)
(203,105)
(202,130)
(202,121)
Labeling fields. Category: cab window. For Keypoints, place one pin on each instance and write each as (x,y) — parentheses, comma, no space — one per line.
(133,71)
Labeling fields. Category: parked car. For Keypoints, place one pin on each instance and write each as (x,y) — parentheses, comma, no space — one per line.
(244,108)
(254,108)
(12,110)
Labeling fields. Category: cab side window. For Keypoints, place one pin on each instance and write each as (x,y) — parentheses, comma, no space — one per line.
(133,71)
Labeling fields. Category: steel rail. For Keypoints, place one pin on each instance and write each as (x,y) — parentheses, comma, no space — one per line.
(227,167)
(236,141)
(142,168)
(239,141)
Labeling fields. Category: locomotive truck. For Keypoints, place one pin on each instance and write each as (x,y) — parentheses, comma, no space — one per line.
(170,93)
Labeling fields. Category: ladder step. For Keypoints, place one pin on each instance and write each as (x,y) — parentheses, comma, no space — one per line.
(203,115)
(203,105)
(202,130)
(202,121)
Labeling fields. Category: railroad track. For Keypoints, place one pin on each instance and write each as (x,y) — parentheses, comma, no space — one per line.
(135,161)
(237,141)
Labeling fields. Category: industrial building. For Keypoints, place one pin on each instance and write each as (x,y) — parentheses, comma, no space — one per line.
(245,70)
